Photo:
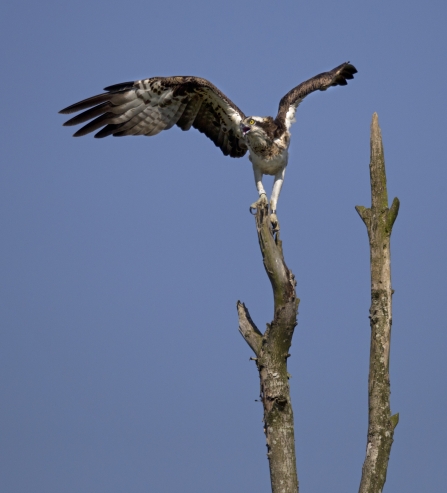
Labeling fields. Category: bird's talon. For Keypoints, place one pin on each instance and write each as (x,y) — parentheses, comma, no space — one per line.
(262,201)
(274,221)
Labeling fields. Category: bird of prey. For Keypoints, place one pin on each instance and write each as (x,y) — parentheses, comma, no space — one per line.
(148,106)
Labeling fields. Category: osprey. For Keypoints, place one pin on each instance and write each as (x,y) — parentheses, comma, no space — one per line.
(148,106)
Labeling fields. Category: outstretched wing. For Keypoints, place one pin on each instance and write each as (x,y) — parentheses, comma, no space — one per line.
(146,107)
(289,103)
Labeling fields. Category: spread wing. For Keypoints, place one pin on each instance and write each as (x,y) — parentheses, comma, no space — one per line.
(289,103)
(146,107)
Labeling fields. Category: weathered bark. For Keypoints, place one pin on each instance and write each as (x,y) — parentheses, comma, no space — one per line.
(379,220)
(272,350)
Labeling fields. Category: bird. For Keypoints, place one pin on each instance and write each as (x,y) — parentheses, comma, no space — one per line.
(148,106)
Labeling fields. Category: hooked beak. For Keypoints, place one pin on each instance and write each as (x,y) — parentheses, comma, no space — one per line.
(245,129)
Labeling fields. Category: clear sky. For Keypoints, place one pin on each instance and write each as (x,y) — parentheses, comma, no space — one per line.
(121,366)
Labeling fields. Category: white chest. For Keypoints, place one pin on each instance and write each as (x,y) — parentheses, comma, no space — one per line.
(272,165)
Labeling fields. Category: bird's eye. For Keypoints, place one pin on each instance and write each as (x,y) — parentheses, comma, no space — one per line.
(251,122)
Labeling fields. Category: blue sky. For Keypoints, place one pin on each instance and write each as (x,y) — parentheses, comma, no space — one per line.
(121,366)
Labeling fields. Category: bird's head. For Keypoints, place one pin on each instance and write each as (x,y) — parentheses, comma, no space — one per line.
(258,131)
(250,124)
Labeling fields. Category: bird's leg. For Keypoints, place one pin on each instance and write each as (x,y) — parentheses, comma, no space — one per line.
(277,184)
(262,195)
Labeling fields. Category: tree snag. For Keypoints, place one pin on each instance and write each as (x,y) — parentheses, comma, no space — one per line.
(379,220)
(272,350)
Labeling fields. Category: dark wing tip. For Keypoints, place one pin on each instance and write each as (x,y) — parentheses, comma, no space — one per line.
(343,73)
(122,86)
(100,98)
(349,71)
(110,129)
(85,103)
(88,115)
(67,110)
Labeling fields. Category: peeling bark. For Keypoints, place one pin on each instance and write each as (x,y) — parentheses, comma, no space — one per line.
(379,220)
(272,350)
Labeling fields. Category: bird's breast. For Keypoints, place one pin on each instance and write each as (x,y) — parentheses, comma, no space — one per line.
(270,165)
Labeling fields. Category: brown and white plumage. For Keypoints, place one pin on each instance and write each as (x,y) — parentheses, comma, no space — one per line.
(146,107)
(290,102)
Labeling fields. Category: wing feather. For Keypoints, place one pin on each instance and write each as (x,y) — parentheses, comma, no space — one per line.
(148,106)
(93,125)
(124,116)
(290,102)
(118,98)
(101,109)
(109,129)
(175,118)
(189,115)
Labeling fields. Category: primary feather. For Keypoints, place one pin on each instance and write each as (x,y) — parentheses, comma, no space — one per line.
(146,107)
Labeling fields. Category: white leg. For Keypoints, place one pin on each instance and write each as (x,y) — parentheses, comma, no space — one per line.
(258,180)
(277,184)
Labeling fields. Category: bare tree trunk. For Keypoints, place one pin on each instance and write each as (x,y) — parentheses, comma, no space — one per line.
(272,350)
(379,220)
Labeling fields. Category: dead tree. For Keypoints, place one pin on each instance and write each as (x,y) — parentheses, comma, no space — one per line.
(379,220)
(272,350)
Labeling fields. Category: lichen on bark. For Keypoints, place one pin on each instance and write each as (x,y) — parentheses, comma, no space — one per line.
(379,221)
(272,350)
